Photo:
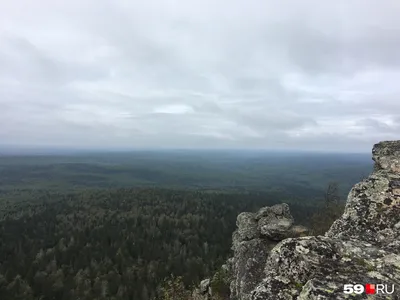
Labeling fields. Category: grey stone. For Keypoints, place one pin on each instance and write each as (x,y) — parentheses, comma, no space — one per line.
(387,156)
(203,292)
(277,230)
(362,246)
(204,286)
(273,260)
(256,235)
(247,226)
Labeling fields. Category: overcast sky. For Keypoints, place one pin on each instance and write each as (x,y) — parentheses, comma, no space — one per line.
(317,75)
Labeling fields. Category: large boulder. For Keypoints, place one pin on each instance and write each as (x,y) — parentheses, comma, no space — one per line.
(256,234)
(203,292)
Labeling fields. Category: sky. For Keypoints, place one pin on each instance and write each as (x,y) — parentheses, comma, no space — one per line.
(254,74)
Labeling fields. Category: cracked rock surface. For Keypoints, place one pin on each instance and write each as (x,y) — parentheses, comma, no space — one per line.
(272,262)
(256,235)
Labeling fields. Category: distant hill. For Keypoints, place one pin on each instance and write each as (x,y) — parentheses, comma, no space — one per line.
(299,174)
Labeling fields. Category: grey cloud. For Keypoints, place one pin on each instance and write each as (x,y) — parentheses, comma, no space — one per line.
(376,125)
(249,74)
(315,51)
(21,60)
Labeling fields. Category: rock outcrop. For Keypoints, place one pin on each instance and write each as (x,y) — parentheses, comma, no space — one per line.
(256,235)
(203,292)
(271,262)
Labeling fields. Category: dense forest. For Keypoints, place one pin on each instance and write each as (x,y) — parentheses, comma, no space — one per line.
(302,175)
(117,244)
(110,228)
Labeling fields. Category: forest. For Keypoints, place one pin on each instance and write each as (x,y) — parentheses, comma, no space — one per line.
(65,234)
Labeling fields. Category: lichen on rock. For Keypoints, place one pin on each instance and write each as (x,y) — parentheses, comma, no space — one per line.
(256,235)
(363,246)
(272,262)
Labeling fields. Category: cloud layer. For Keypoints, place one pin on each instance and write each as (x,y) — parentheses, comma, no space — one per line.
(199,74)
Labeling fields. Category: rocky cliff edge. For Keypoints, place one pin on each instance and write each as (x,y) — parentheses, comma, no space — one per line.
(273,259)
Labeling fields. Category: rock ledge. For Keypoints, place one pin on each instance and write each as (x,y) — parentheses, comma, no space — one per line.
(272,262)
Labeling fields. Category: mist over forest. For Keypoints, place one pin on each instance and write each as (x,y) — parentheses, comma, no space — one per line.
(123,225)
